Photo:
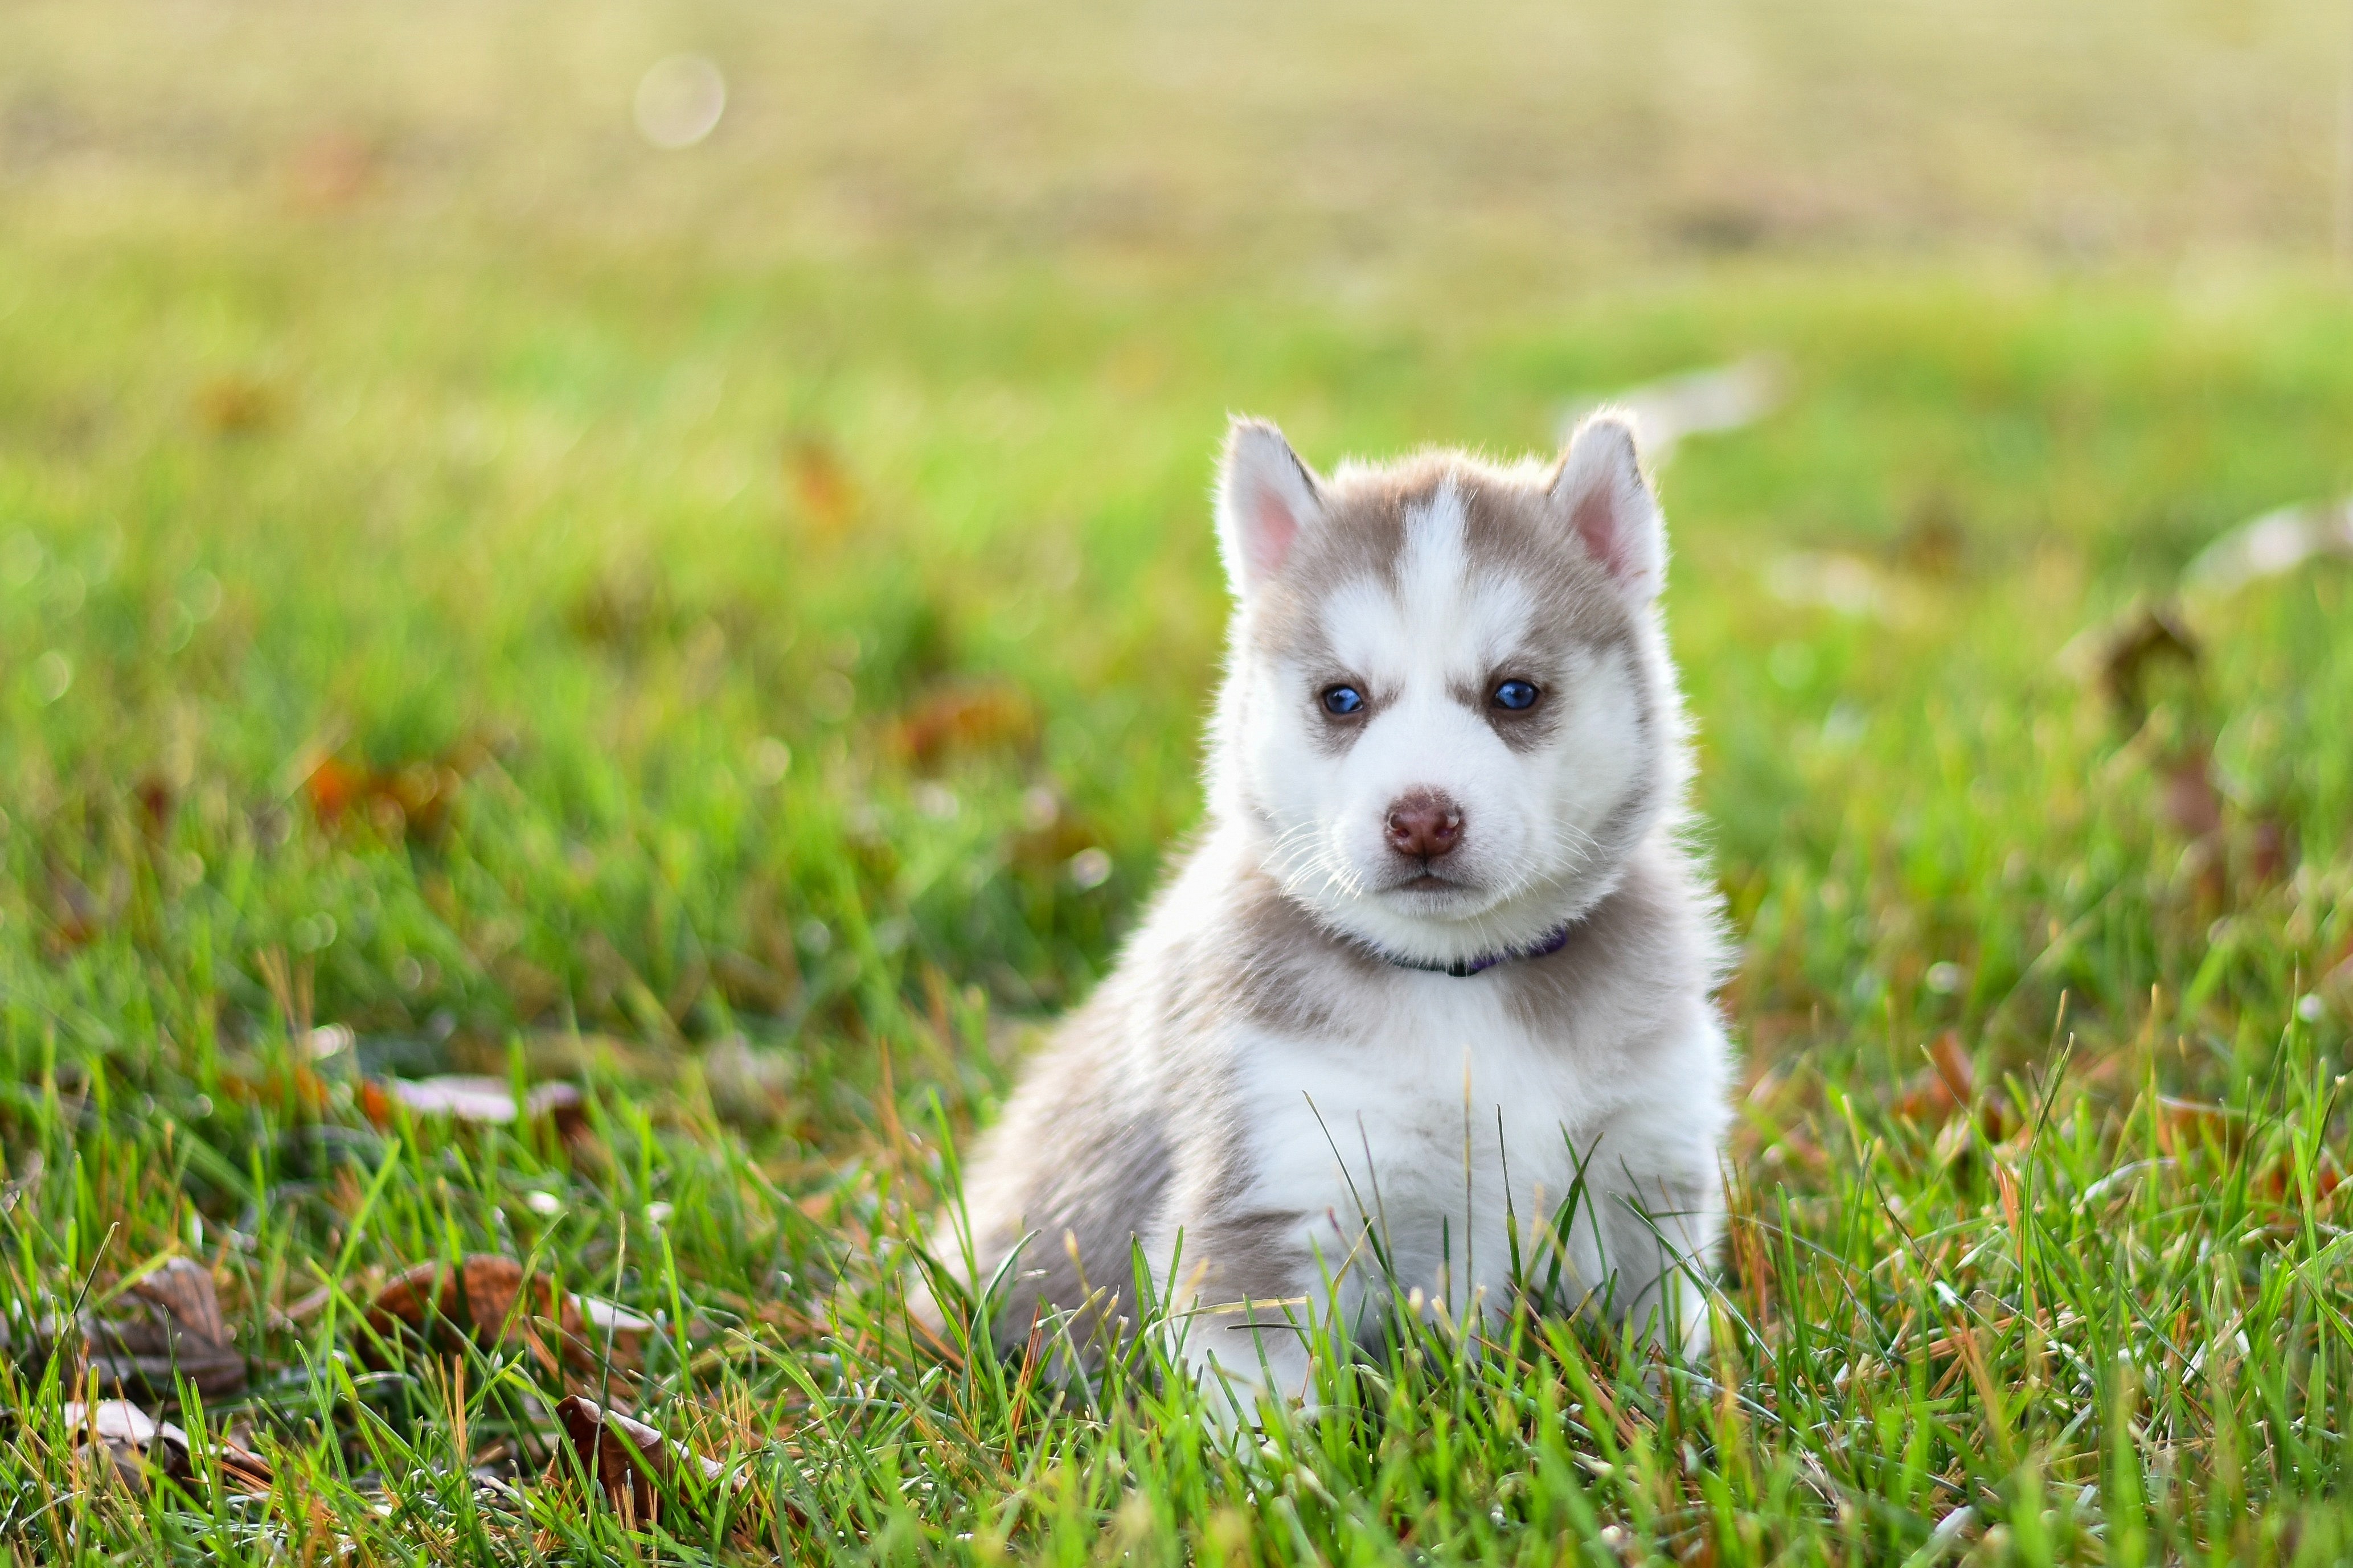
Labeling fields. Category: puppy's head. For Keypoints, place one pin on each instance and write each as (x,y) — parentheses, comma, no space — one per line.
(1449,706)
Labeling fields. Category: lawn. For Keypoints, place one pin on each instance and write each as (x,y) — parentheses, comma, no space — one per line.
(476,600)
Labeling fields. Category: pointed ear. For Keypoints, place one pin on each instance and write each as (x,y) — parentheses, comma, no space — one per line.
(1266,495)
(1601,495)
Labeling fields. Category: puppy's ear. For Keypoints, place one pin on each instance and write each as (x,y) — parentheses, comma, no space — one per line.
(1266,497)
(1600,493)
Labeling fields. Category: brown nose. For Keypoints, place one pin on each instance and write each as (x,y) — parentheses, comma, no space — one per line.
(1424,825)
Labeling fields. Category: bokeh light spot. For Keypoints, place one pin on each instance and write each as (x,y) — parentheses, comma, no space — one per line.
(680,101)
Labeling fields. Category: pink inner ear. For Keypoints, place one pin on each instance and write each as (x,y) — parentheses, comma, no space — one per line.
(1598,524)
(1273,529)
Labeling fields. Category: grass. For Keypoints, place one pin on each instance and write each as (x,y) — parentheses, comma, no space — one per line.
(756,681)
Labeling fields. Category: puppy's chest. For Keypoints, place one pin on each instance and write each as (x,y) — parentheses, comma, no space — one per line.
(1447,1092)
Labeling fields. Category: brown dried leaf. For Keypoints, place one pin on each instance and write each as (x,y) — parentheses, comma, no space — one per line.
(332,169)
(2193,1123)
(2282,1183)
(629,1459)
(2271,851)
(183,1288)
(822,482)
(157,801)
(78,914)
(2132,650)
(1948,1087)
(2189,799)
(140,1447)
(1954,1069)
(1950,1083)
(486,1300)
(482,1300)
(168,1325)
(235,405)
(411,801)
(965,719)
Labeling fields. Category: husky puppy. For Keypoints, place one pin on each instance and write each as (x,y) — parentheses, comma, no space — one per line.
(1433,990)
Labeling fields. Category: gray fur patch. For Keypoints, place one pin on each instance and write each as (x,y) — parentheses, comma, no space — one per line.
(1651,934)
(1079,1164)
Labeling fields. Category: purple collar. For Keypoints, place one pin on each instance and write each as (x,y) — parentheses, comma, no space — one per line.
(1463,968)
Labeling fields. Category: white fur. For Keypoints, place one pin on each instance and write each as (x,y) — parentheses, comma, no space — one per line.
(1254,1094)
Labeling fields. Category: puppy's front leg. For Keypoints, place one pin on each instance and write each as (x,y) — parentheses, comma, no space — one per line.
(1238,1354)
(1255,1303)
(1658,1233)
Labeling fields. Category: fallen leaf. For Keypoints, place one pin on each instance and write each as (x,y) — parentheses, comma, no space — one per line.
(614,1326)
(166,1324)
(1948,1085)
(1833,580)
(140,1447)
(332,169)
(486,1300)
(235,405)
(631,1461)
(1953,1067)
(334,785)
(2188,798)
(2132,649)
(2271,544)
(482,1300)
(2282,1183)
(183,1288)
(821,481)
(1696,403)
(622,610)
(411,801)
(2193,1122)
(2271,851)
(154,795)
(965,719)
(473,1098)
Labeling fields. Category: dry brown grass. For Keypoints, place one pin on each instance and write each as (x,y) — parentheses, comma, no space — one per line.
(1337,140)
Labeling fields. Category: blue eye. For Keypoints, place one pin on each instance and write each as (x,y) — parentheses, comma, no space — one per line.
(1516,695)
(1343,701)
